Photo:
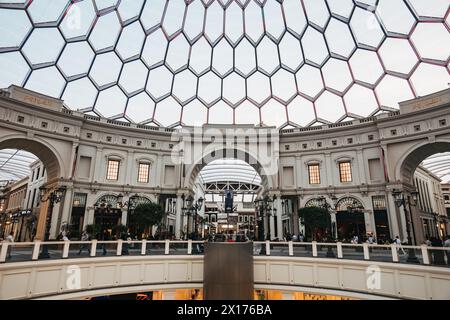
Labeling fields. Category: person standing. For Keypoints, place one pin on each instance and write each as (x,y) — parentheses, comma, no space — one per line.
(398,244)
(85,237)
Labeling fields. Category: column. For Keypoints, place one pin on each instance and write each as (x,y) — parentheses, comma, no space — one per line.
(66,207)
(272,225)
(178,216)
(129,168)
(298,172)
(327,177)
(398,223)
(89,217)
(361,166)
(56,213)
(74,159)
(279,220)
(98,164)
(40,230)
(159,171)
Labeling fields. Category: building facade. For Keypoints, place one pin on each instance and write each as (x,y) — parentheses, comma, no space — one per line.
(432,216)
(355,165)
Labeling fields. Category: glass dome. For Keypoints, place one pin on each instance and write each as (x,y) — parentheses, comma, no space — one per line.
(271,62)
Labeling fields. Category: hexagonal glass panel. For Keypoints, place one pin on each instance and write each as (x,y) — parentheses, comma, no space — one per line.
(185,86)
(47,81)
(267,54)
(366,28)
(48,12)
(195,113)
(106,69)
(339,39)
(178,54)
(392,90)
(366,67)
(254,23)
(133,77)
(155,48)
(301,111)
(428,78)
(159,82)
(152,13)
(258,88)
(222,61)
(195,15)
(336,75)
(14,27)
(14,69)
(129,10)
(395,16)
(309,81)
(130,42)
(234,23)
(173,18)
(291,52)
(430,8)
(214,23)
(106,32)
(314,47)
(273,113)
(43,46)
(317,12)
(167,112)
(283,85)
(78,21)
(104,5)
(220,113)
(140,108)
(201,56)
(246,113)
(234,89)
(209,88)
(273,19)
(245,58)
(72,97)
(76,59)
(341,8)
(330,107)
(111,102)
(295,17)
(360,101)
(398,56)
(432,40)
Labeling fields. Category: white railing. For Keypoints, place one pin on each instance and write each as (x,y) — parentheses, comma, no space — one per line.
(32,251)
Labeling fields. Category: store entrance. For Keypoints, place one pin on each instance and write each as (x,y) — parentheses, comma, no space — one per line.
(350,225)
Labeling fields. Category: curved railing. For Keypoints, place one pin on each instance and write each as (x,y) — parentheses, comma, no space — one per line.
(33,251)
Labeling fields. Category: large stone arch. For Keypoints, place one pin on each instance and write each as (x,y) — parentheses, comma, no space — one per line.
(407,164)
(267,181)
(56,167)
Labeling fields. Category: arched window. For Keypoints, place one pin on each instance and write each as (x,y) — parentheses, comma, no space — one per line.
(349,204)
(314,202)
